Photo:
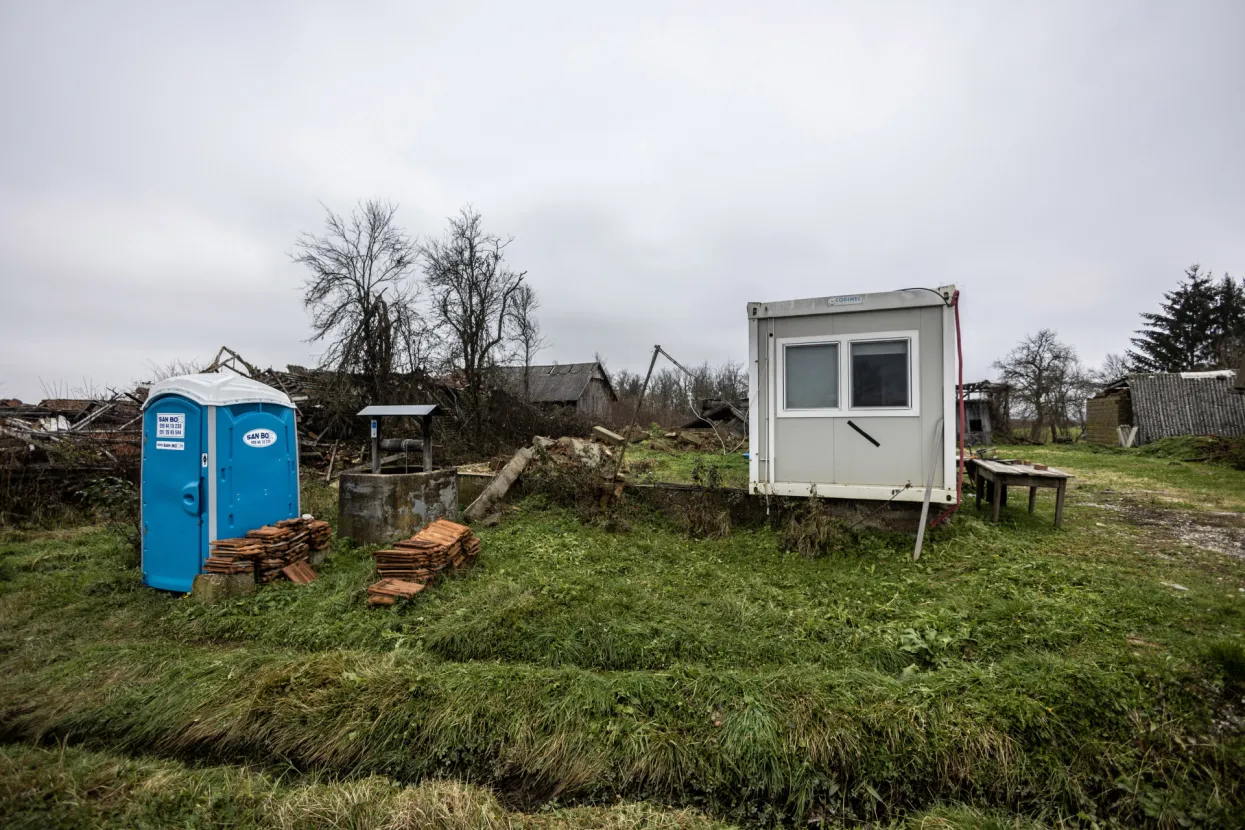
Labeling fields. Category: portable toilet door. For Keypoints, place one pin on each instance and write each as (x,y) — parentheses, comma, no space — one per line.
(220,458)
(173,492)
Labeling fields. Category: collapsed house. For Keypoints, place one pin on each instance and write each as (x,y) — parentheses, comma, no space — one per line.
(51,450)
(728,416)
(1140,408)
(987,413)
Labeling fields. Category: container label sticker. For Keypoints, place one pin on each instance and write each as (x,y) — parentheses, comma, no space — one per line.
(847,299)
(203,461)
(170,445)
(373,427)
(171,425)
(259,438)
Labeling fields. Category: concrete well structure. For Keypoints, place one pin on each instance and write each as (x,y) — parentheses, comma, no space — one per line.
(379,508)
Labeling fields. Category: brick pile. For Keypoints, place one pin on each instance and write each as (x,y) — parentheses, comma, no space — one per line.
(420,559)
(267,551)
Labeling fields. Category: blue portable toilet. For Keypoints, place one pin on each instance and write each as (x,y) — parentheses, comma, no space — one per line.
(220,458)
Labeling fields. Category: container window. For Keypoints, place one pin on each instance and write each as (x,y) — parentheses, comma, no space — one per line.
(881,376)
(812,376)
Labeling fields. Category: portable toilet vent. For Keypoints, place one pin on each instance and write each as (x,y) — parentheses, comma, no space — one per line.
(220,458)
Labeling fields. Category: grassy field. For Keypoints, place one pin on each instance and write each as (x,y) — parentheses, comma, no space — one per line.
(710,464)
(1017,675)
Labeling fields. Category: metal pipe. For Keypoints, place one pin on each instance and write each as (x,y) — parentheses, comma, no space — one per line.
(402,444)
(929,489)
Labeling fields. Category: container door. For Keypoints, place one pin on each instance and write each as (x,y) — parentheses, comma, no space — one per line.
(256,467)
(173,493)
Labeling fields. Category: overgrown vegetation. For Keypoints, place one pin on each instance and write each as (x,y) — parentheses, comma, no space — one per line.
(1051,675)
(1207,448)
(41,789)
(665,460)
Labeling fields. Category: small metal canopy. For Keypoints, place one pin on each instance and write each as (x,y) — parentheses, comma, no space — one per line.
(402,409)
(423,445)
(218,389)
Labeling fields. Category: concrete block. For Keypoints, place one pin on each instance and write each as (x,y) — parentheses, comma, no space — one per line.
(382,508)
(212,588)
(608,436)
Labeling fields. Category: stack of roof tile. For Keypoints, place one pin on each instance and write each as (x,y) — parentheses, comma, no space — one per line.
(282,546)
(321,534)
(389,591)
(421,558)
(233,556)
(268,551)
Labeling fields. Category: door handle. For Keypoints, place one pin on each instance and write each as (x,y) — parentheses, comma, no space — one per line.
(190,498)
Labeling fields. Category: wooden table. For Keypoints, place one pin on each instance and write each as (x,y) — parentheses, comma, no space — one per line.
(1002,475)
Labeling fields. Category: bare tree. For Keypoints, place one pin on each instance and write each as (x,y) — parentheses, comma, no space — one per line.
(1048,382)
(525,330)
(473,293)
(361,295)
(1113,367)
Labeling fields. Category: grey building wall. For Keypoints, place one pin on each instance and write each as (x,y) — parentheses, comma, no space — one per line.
(596,400)
(826,449)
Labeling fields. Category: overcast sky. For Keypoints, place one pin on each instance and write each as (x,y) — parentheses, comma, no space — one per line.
(660,165)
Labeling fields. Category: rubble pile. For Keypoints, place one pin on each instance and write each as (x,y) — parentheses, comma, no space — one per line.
(420,559)
(270,552)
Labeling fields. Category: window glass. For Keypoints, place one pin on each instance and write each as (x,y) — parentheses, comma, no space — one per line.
(812,380)
(880,373)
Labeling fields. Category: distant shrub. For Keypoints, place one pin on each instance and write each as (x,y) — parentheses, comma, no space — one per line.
(115,502)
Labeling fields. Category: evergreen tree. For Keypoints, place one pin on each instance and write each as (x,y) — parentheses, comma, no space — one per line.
(1184,335)
(1229,323)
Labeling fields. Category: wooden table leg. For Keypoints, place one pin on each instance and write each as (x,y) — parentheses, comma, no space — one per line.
(1032,498)
(1059,494)
(1004,492)
(979,484)
(998,498)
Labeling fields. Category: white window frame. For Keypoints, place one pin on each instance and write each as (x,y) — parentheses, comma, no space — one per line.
(913,409)
(845,409)
(811,340)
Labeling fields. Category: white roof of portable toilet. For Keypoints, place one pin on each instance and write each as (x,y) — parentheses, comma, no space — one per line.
(218,389)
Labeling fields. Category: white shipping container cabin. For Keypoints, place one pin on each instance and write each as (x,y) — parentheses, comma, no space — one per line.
(849,396)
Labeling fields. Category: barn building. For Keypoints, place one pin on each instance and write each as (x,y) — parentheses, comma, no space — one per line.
(1165,405)
(584,387)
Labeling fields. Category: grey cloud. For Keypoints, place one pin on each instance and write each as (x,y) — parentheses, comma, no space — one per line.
(660,167)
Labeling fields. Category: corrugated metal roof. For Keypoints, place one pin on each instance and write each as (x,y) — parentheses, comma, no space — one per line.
(562,383)
(1165,405)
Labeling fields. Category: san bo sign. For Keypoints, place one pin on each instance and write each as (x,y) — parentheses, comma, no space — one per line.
(259,438)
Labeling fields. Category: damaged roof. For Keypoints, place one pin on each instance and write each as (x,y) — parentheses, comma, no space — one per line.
(561,383)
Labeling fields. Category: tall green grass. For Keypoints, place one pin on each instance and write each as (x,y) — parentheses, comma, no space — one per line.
(1049,674)
(62,787)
